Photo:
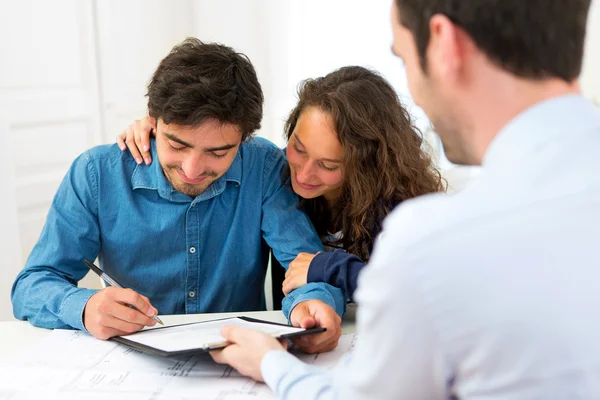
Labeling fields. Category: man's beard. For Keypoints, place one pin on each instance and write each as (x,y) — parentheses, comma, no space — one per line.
(189,189)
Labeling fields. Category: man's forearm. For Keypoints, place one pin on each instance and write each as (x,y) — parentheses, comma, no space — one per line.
(49,301)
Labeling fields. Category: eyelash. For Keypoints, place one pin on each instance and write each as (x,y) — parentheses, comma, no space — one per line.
(320,164)
(295,146)
(327,168)
(183,148)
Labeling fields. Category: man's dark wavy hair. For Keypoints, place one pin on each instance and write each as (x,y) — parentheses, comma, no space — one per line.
(200,81)
(535,39)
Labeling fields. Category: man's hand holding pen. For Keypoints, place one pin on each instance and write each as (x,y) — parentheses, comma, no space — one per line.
(109,313)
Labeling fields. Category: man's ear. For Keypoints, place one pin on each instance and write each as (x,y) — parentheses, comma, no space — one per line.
(445,50)
(152,122)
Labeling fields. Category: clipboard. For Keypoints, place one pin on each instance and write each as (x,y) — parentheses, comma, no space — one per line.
(201,337)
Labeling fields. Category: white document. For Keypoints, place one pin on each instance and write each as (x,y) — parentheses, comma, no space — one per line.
(202,334)
(73,365)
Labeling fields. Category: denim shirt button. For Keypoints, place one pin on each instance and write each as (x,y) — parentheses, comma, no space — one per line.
(192,250)
(192,293)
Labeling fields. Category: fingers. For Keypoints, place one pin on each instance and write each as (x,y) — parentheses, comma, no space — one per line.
(321,342)
(293,280)
(304,321)
(110,312)
(147,300)
(328,320)
(284,343)
(246,351)
(121,141)
(288,285)
(104,332)
(127,320)
(104,321)
(299,312)
(294,264)
(219,356)
(122,317)
(242,336)
(130,141)
(313,313)
(297,272)
(142,129)
(308,322)
(327,340)
(290,269)
(232,334)
(131,297)
(316,343)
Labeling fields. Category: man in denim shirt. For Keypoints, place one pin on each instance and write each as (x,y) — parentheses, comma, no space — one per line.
(189,234)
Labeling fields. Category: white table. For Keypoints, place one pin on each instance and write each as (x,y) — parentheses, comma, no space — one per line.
(17,335)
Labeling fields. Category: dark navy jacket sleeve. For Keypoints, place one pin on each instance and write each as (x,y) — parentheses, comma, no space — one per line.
(337,268)
(340,268)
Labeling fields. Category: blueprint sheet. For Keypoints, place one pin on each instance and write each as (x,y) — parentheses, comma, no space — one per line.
(73,365)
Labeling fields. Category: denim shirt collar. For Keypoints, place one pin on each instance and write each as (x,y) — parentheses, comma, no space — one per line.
(152,177)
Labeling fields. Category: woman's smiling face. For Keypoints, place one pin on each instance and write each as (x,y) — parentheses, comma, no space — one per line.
(315,156)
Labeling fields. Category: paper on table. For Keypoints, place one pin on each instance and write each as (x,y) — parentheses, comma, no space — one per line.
(72,365)
(201,335)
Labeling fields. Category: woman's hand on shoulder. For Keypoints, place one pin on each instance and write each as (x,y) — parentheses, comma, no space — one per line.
(136,138)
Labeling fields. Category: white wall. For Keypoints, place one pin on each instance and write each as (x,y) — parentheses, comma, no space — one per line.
(132,37)
(590,77)
(48,89)
(10,246)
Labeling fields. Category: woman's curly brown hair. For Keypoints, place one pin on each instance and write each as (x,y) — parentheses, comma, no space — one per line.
(383,161)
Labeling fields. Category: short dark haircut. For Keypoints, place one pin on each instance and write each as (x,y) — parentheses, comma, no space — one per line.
(200,81)
(530,38)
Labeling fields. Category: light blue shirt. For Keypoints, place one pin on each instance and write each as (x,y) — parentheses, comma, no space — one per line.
(492,293)
(207,254)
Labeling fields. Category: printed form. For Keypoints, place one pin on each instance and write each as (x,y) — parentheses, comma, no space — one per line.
(72,365)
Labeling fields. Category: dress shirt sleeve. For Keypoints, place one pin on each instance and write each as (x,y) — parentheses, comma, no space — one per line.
(398,354)
(288,231)
(338,268)
(45,292)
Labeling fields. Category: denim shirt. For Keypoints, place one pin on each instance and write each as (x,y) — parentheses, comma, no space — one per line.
(187,255)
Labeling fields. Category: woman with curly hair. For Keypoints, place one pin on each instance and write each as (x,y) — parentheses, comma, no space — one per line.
(354,154)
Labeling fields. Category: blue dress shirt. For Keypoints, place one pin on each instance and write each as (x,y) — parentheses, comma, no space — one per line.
(187,255)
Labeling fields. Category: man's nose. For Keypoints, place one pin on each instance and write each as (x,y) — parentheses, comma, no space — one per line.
(194,166)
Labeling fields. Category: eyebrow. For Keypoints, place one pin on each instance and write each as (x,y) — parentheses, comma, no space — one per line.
(322,159)
(176,139)
(207,150)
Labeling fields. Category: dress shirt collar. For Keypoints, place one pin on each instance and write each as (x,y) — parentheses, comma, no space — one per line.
(538,127)
(152,177)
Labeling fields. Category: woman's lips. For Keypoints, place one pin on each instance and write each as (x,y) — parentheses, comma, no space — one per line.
(306,186)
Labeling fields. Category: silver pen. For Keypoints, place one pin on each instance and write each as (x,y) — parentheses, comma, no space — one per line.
(110,281)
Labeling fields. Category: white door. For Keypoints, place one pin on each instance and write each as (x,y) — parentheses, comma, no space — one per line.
(48,89)
(72,75)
